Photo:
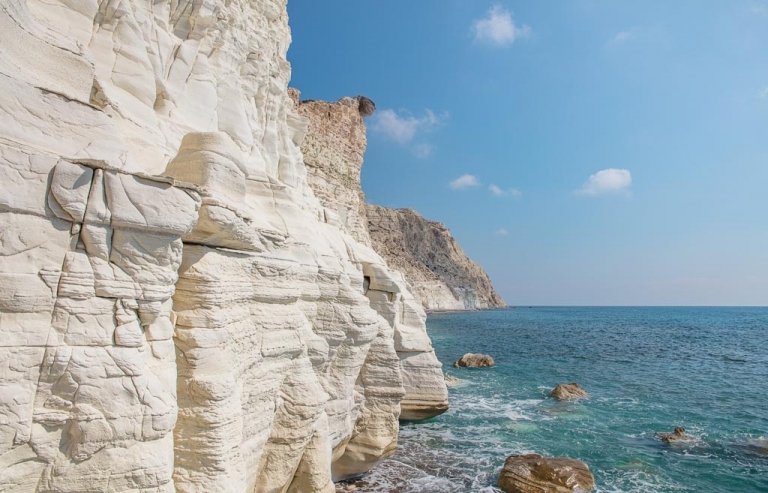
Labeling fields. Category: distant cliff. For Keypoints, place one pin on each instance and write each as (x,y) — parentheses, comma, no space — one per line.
(437,268)
(442,276)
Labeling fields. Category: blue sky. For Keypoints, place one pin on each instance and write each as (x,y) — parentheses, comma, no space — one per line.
(587,152)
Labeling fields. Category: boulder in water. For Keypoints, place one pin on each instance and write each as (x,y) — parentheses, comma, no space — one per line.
(678,435)
(473,360)
(757,446)
(532,473)
(568,392)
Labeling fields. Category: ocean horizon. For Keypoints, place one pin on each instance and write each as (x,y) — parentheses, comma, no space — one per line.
(647,370)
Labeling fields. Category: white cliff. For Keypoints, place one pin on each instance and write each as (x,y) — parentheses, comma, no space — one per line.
(333,151)
(178,310)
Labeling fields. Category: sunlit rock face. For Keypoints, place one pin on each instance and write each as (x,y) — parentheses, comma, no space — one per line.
(333,152)
(178,311)
(441,275)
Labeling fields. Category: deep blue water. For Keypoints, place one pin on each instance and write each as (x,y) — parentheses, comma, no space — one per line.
(646,369)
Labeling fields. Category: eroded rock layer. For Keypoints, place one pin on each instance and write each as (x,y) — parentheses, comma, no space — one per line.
(333,151)
(178,310)
(439,272)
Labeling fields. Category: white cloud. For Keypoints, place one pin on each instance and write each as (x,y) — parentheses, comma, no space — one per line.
(501,232)
(402,127)
(763,94)
(464,181)
(498,27)
(500,192)
(605,181)
(620,38)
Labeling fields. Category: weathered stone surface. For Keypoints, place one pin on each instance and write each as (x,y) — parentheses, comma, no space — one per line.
(474,360)
(568,392)
(532,473)
(436,267)
(333,152)
(178,310)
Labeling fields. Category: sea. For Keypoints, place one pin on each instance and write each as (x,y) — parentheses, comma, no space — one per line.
(647,370)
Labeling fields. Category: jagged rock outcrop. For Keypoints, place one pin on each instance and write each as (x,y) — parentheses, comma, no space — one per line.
(178,310)
(436,267)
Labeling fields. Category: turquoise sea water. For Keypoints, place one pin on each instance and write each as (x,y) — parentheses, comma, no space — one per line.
(646,369)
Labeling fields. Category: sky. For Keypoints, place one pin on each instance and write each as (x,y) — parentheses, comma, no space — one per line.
(585,152)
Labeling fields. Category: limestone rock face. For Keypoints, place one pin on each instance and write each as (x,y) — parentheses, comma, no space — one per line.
(532,473)
(568,392)
(440,273)
(178,310)
(474,360)
(333,151)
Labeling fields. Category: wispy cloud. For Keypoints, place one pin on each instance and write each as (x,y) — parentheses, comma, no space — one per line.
(620,38)
(763,93)
(464,181)
(499,28)
(607,181)
(402,127)
(501,232)
(497,191)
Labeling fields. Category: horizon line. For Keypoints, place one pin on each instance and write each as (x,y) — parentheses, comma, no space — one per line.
(523,305)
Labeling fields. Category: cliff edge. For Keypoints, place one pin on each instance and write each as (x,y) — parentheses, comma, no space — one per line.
(436,267)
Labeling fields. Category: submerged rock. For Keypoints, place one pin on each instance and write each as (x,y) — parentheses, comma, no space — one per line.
(756,445)
(678,435)
(532,473)
(568,392)
(474,360)
(451,381)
